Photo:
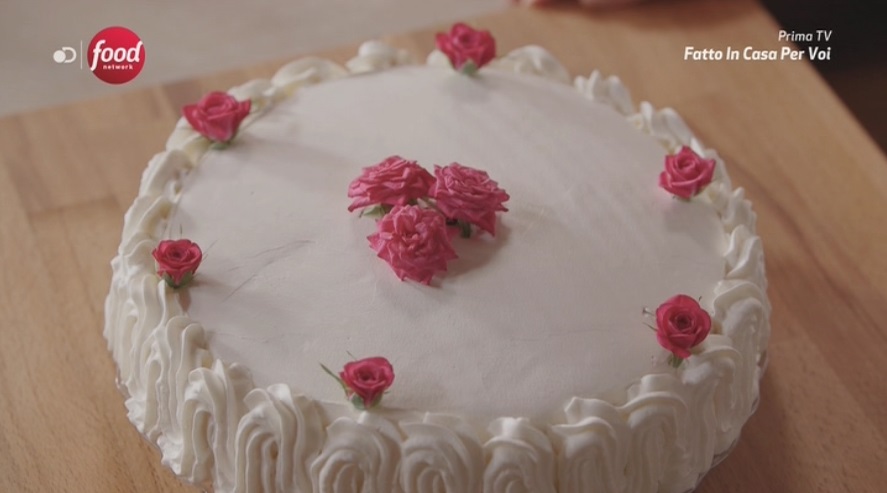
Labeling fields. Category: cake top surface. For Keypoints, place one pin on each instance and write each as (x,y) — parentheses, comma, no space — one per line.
(548,309)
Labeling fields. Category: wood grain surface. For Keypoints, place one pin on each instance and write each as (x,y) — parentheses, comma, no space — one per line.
(818,183)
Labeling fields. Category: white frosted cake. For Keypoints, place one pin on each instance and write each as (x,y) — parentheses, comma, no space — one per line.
(527,365)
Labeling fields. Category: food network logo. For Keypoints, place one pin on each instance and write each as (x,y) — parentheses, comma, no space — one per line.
(115,55)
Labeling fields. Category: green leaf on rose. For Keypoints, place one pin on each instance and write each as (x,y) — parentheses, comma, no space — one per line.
(464,229)
(187,278)
(376,211)
(219,145)
(358,402)
(338,379)
(469,68)
(675,360)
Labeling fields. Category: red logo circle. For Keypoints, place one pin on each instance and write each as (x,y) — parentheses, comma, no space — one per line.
(116,55)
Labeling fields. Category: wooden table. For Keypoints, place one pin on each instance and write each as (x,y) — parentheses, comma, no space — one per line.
(818,182)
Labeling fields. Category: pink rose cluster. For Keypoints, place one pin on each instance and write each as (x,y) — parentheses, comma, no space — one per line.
(421,212)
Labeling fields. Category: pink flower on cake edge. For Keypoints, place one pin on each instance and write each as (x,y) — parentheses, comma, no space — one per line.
(686,173)
(467,194)
(394,181)
(467,49)
(217,116)
(414,241)
(681,325)
(368,379)
(177,261)
(365,381)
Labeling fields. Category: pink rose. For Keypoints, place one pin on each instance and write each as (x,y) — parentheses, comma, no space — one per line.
(414,241)
(686,173)
(464,44)
(177,261)
(681,324)
(468,194)
(217,116)
(394,181)
(368,379)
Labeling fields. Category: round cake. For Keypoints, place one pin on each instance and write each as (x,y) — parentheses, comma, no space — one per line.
(539,359)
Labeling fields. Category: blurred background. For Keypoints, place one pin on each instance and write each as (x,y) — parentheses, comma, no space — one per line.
(858,69)
(198,37)
(195,37)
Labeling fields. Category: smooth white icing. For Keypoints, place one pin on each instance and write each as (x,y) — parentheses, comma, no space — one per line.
(212,423)
(547,310)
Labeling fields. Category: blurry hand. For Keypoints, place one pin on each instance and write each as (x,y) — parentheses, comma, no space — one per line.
(587,3)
